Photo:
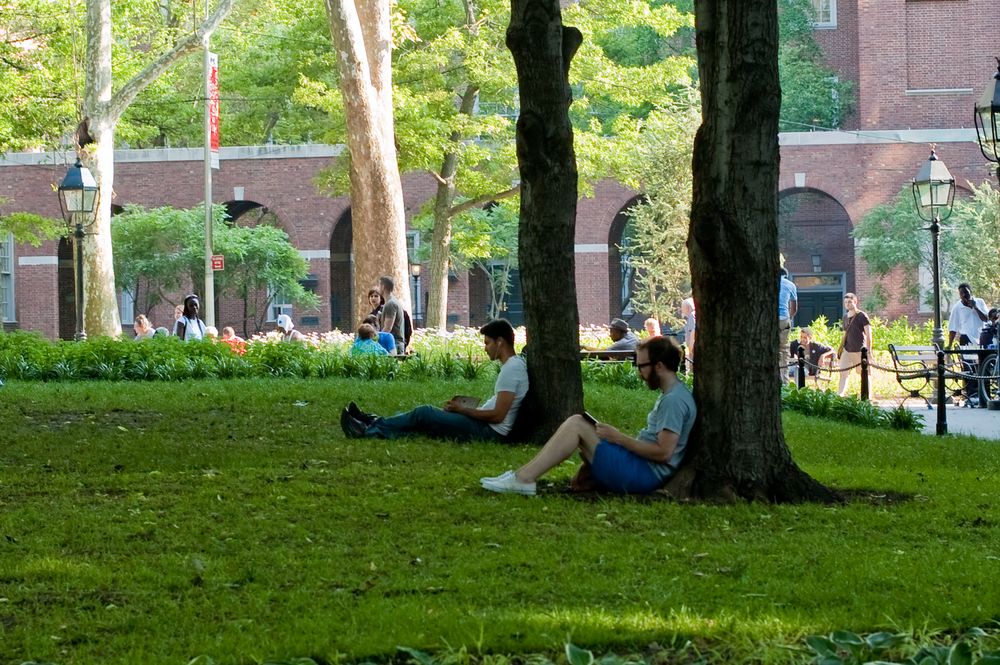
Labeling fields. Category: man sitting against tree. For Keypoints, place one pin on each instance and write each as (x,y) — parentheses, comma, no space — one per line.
(619,463)
(491,421)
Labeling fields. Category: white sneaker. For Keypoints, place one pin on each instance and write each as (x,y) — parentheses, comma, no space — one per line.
(507,483)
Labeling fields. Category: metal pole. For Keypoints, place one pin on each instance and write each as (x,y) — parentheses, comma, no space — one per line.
(942,421)
(209,312)
(78,234)
(864,374)
(937,337)
(801,383)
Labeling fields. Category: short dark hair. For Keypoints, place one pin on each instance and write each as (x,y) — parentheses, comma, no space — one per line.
(387,283)
(662,350)
(499,329)
(964,285)
(371,320)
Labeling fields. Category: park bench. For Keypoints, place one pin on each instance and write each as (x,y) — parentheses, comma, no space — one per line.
(608,356)
(916,369)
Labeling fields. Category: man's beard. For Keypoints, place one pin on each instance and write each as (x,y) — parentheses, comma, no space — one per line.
(653,381)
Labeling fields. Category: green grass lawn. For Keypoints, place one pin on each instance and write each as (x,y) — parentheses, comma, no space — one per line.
(155,522)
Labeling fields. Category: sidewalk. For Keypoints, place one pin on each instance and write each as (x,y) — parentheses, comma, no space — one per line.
(977,422)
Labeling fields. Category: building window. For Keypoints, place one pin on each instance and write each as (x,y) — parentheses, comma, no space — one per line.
(824,13)
(127,307)
(412,245)
(7,279)
(279,305)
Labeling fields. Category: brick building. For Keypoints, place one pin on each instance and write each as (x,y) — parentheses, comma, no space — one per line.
(918,67)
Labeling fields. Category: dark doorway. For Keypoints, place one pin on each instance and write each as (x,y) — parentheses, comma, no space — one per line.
(819,295)
(341,274)
(66,289)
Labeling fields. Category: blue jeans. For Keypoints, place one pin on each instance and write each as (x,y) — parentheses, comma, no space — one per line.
(434,422)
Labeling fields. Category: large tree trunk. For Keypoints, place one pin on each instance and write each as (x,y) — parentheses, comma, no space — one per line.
(102,108)
(737,446)
(437,300)
(363,41)
(543,48)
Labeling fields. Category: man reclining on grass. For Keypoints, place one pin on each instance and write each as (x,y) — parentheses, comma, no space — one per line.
(459,419)
(619,463)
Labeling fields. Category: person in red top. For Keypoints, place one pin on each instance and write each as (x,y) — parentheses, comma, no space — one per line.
(235,342)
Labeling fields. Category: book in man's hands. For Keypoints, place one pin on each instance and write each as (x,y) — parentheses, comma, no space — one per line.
(466,401)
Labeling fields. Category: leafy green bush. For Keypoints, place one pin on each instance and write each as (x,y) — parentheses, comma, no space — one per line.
(843,647)
(828,404)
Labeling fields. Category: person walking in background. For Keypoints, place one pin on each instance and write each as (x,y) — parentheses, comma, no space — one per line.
(189,326)
(365,342)
(788,304)
(967,319)
(857,336)
(690,326)
(142,327)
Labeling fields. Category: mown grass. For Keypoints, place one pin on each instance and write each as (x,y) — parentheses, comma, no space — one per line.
(151,523)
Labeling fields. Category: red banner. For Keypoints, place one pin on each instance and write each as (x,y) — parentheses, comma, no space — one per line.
(213,105)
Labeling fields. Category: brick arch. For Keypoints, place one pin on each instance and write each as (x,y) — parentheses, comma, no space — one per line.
(617,301)
(814,223)
(252,213)
(342,272)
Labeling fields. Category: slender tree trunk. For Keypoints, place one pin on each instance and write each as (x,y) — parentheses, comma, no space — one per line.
(102,108)
(543,48)
(437,302)
(737,446)
(363,41)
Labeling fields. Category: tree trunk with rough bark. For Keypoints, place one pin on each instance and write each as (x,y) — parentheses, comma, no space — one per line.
(543,48)
(437,300)
(737,446)
(102,108)
(363,40)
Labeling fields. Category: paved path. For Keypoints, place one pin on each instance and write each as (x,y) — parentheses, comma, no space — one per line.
(983,423)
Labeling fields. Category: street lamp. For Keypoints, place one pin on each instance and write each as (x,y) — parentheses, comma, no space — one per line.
(77,200)
(987,118)
(934,190)
(415,272)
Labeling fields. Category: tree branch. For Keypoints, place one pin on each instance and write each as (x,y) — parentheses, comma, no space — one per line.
(483,200)
(128,92)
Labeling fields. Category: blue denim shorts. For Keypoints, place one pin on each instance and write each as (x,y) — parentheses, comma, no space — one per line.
(620,470)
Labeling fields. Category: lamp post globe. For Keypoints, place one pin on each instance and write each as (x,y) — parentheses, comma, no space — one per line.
(987,119)
(77,201)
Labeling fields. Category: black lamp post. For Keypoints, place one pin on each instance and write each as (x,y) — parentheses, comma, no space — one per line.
(987,118)
(934,190)
(77,200)
(415,272)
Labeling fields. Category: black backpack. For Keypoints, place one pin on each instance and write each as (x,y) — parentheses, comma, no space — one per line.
(407,329)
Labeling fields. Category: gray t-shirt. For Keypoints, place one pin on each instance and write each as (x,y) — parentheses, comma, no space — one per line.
(626,343)
(513,378)
(394,309)
(674,411)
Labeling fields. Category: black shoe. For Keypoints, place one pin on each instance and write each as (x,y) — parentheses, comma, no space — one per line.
(353,429)
(360,415)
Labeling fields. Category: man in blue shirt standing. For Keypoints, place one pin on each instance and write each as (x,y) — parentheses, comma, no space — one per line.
(788,303)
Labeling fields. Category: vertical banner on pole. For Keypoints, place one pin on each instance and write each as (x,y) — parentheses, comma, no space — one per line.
(213,105)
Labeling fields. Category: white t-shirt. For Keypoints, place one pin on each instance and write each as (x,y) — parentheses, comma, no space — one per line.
(513,378)
(965,321)
(192,329)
